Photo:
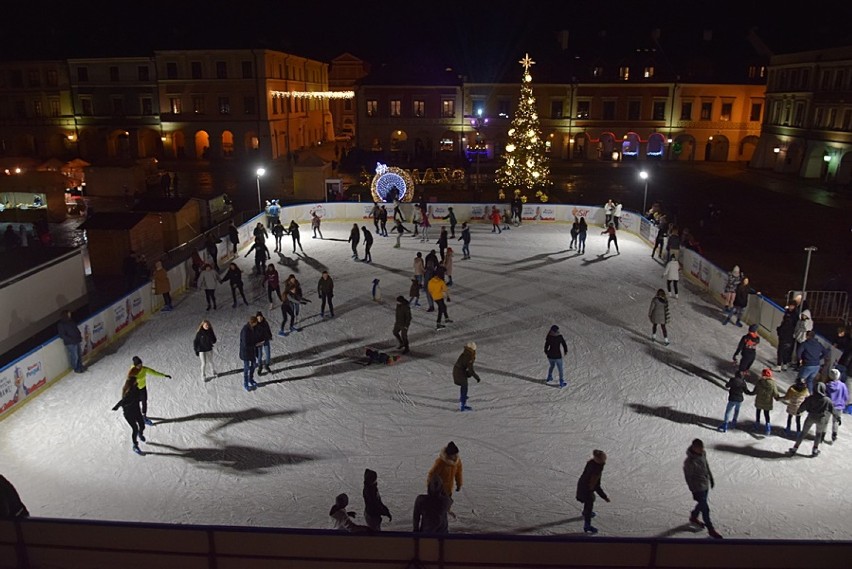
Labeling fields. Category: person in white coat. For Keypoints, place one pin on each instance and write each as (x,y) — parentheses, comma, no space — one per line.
(208,281)
(616,214)
(672,274)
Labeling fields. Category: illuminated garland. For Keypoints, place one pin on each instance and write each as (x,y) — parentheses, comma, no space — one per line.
(315,94)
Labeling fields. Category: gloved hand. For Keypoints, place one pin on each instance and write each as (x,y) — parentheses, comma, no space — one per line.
(607,499)
(115,408)
(458,488)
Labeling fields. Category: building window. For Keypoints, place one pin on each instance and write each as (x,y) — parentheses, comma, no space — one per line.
(52,78)
(171,70)
(198,104)
(659,111)
(275,105)
(117,106)
(395,107)
(224,105)
(195,70)
(86,106)
(247,69)
(839,80)
(754,115)
(609,110)
(16,78)
(147,106)
(448,108)
(175,106)
(82,74)
(21,109)
(706,111)
(55,109)
(806,79)
(832,118)
(799,114)
(624,73)
(556,109)
(727,109)
(221,70)
(826,80)
(372,108)
(583,109)
(648,72)
(248,105)
(347,104)
(37,108)
(686,111)
(634,109)
(818,117)
(33,78)
(504,107)
(113,73)
(419,108)
(597,71)
(143,73)
(847,120)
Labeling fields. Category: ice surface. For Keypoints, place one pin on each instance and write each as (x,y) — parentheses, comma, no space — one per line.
(279,455)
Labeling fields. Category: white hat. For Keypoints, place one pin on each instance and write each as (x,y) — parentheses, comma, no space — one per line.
(471,345)
(834,374)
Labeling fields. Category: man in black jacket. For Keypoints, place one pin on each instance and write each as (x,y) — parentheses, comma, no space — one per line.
(554,345)
(70,335)
(786,340)
(588,485)
(11,505)
(402,322)
(325,290)
(248,353)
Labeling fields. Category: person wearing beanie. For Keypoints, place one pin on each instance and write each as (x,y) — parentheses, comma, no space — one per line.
(837,392)
(736,387)
(462,370)
(794,397)
(448,467)
(765,395)
(747,347)
(431,509)
(374,508)
(741,294)
(263,335)
(819,408)
(699,479)
(588,485)
(341,518)
(811,354)
(401,323)
(659,315)
(141,373)
(554,344)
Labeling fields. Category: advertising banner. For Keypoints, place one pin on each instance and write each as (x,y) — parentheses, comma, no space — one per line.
(19,381)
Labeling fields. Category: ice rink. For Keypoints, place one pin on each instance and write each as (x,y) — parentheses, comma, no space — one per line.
(279,455)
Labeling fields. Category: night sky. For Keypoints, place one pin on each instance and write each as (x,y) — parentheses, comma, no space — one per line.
(446,34)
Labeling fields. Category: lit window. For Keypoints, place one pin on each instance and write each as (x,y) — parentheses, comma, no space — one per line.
(624,73)
(583,109)
(395,107)
(224,105)
(648,72)
(419,108)
(198,104)
(372,108)
(597,71)
(727,109)
(175,106)
(448,108)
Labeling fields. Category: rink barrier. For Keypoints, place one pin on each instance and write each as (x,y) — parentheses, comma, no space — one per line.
(41,367)
(75,544)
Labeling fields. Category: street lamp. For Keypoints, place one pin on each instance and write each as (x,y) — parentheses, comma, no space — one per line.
(808,250)
(260,172)
(644,175)
(477,123)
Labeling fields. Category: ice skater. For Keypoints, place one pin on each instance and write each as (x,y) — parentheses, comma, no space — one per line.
(437,291)
(672,275)
(262,336)
(342,519)
(794,397)
(374,508)
(431,509)
(554,344)
(448,468)
(582,231)
(286,310)
(736,387)
(278,233)
(452,217)
(162,285)
(612,239)
(495,220)
(295,235)
(248,353)
(316,221)
(414,292)
(129,403)
(462,370)
(424,225)
(659,315)
(234,276)
(261,255)
(354,239)
(465,239)
(837,392)
(588,485)
(740,302)
(205,339)
(575,229)
(383,221)
(820,409)
(141,373)
(420,269)
(368,244)
(270,279)
(699,479)
(325,291)
(747,347)
(294,295)
(448,265)
(734,279)
(443,242)
(399,229)
(208,281)
(765,395)
(402,320)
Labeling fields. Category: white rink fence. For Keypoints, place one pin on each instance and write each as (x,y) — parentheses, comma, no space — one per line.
(29,375)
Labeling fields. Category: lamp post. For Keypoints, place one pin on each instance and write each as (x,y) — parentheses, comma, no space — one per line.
(644,175)
(808,250)
(477,122)
(259,172)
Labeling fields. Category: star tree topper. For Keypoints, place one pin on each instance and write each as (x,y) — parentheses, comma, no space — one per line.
(526,62)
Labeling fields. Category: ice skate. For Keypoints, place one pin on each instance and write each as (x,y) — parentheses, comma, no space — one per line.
(590,529)
(148,421)
(562,384)
(142,437)
(137,450)
(696,522)
(815,452)
(723,428)
(714,534)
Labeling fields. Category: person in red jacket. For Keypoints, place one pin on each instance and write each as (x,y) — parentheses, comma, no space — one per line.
(610,230)
(495,220)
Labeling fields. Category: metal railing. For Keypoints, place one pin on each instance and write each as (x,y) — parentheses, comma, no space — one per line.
(825,305)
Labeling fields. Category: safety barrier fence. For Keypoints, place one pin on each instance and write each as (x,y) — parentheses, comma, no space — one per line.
(825,305)
(47,363)
(74,544)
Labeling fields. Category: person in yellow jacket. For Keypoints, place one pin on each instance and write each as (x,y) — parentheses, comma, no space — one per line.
(438,292)
(448,467)
(141,372)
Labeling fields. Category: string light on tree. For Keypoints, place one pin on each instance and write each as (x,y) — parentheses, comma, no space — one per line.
(524,165)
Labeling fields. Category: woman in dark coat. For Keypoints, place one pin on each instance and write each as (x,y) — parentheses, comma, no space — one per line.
(588,485)
(295,235)
(354,239)
(129,404)
(235,277)
(374,508)
(462,370)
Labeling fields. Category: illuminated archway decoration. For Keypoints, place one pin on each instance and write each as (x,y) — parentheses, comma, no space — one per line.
(386,178)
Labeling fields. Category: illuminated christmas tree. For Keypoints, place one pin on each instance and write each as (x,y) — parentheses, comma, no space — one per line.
(524,164)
